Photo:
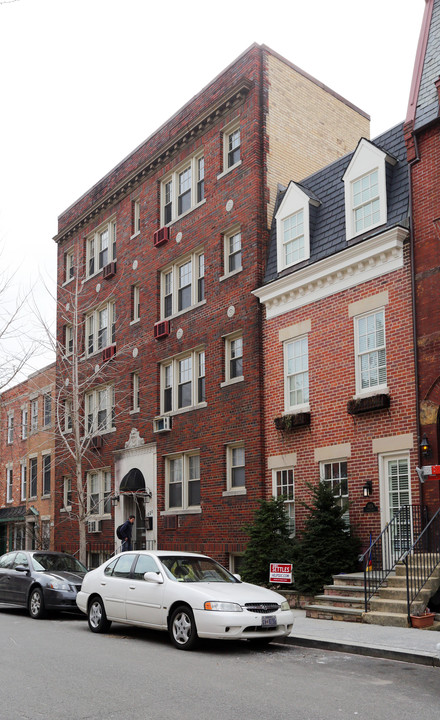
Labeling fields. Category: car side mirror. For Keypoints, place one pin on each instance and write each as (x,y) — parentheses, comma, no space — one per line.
(21,568)
(153,577)
(236,575)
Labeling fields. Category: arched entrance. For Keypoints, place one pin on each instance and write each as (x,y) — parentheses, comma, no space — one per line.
(133,496)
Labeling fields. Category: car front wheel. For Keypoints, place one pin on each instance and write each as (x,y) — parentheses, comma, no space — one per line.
(183,631)
(97,618)
(36,604)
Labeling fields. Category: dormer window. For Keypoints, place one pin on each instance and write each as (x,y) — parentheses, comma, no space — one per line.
(293,226)
(365,189)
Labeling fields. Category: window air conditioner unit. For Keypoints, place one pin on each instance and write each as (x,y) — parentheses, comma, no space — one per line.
(162,424)
(161,236)
(96,442)
(94,526)
(161,329)
(108,353)
(109,271)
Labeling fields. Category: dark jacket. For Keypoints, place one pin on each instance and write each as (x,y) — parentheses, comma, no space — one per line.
(126,529)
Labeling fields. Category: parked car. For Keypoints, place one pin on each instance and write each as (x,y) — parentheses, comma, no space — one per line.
(189,595)
(40,580)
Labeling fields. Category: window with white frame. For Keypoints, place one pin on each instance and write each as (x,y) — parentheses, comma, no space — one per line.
(24,423)
(371,364)
(99,492)
(100,409)
(10,428)
(234,357)
(182,284)
(296,373)
(231,146)
(33,474)
(182,478)
(46,469)
(293,238)
(135,392)
(293,226)
(69,266)
(23,480)
(136,217)
(283,485)
(235,466)
(334,474)
(34,415)
(135,303)
(101,328)
(183,189)
(47,410)
(183,381)
(9,483)
(68,331)
(366,201)
(101,248)
(232,252)
(67,492)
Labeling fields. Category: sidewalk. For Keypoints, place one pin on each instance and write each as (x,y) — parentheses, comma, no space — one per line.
(393,643)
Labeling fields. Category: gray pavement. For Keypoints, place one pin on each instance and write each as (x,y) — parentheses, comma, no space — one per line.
(406,644)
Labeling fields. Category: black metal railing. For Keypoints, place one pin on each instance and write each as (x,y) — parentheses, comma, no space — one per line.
(390,546)
(421,559)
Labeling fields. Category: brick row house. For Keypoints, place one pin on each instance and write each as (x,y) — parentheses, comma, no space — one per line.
(27,472)
(158,327)
(422,135)
(339,391)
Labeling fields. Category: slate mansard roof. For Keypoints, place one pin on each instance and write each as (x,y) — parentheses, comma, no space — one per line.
(327,221)
(427,108)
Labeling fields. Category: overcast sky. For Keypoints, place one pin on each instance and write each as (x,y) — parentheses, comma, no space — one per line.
(83,82)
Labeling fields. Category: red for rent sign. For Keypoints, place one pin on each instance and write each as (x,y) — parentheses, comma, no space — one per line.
(280,573)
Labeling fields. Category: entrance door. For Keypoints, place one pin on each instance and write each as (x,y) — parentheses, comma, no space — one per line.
(396,492)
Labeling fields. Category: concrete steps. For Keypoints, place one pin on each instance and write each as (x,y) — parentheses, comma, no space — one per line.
(343,600)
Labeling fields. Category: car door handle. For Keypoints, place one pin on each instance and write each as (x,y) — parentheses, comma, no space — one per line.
(132,587)
(103,584)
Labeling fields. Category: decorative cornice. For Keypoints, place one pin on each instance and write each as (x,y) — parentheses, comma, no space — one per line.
(357,264)
(227,102)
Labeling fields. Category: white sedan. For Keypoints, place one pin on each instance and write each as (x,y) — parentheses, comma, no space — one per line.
(189,595)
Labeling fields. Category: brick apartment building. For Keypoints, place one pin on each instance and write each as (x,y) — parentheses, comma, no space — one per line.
(27,476)
(422,134)
(339,391)
(156,267)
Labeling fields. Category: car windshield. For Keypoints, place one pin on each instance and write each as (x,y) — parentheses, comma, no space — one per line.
(57,563)
(195,569)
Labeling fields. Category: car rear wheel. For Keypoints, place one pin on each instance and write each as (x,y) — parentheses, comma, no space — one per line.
(97,618)
(36,604)
(183,630)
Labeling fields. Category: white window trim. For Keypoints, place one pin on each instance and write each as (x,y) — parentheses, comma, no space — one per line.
(174,269)
(192,162)
(135,289)
(301,407)
(33,458)
(228,339)
(34,416)
(366,159)
(230,490)
(227,130)
(136,218)
(174,363)
(384,496)
(135,393)
(236,230)
(43,456)
(289,501)
(295,201)
(110,306)
(110,408)
(185,482)
(110,225)
(377,389)
(49,424)
(10,437)
(101,473)
(24,422)
(9,483)
(331,461)
(69,263)
(23,480)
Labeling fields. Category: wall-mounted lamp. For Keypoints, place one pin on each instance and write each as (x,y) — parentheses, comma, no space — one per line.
(424,446)
(368,488)
(115,500)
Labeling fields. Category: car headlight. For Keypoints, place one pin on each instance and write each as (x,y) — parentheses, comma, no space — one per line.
(58,585)
(285,605)
(222,606)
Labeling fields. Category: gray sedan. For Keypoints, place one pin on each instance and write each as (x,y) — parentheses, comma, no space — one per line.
(40,580)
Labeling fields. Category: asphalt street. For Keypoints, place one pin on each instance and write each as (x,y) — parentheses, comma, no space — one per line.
(57,668)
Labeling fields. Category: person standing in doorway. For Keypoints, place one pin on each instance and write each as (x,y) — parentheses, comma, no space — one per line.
(126,531)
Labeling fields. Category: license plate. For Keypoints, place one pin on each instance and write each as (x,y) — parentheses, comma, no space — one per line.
(268,621)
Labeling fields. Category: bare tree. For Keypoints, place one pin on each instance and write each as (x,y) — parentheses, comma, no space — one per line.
(80,369)
(15,347)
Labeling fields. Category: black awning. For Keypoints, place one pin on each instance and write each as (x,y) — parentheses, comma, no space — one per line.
(12,514)
(133,481)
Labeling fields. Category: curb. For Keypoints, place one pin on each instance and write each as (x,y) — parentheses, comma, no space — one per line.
(418,658)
